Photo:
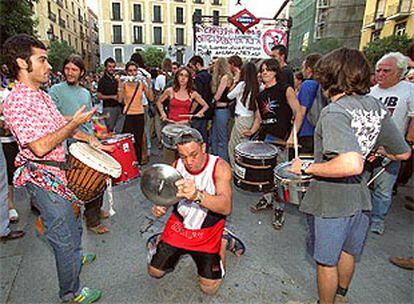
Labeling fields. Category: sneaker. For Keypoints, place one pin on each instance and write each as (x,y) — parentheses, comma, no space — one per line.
(88,258)
(262,204)
(278,219)
(87,296)
(378,227)
(339,299)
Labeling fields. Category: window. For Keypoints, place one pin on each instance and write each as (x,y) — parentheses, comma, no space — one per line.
(197,15)
(216,2)
(179,36)
(216,19)
(179,13)
(137,13)
(180,57)
(157,13)
(399,29)
(118,55)
(198,1)
(116,11)
(380,9)
(138,34)
(117,33)
(375,35)
(61,36)
(157,35)
(73,8)
(74,26)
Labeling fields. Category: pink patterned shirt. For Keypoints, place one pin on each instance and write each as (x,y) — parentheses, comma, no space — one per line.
(31,115)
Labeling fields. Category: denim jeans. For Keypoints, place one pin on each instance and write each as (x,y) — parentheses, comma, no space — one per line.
(219,136)
(382,193)
(201,126)
(64,233)
(4,209)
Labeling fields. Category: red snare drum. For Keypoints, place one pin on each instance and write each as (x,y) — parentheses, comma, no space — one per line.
(125,154)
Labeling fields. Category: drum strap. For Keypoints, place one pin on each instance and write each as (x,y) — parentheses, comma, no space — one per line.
(61,165)
(132,99)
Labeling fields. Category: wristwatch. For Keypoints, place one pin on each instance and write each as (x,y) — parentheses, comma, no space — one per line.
(199,198)
(304,167)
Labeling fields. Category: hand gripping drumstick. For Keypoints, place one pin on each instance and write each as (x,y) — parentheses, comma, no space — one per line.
(388,161)
(295,141)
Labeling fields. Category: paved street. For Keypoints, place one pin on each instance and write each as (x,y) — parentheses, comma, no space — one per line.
(274,269)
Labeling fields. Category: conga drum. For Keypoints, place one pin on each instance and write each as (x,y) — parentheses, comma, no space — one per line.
(254,164)
(89,170)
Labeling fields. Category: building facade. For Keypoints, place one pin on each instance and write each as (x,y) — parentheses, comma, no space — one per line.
(384,18)
(339,19)
(93,36)
(65,20)
(127,26)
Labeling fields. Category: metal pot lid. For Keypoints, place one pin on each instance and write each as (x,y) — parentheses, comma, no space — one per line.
(158,184)
(281,172)
(256,149)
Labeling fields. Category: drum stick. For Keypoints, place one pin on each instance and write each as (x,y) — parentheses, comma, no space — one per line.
(375,176)
(295,141)
(186,115)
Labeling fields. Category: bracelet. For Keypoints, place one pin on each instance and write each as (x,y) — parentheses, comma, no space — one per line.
(304,167)
(199,197)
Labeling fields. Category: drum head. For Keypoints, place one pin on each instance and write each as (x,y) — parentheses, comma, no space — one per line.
(116,138)
(95,159)
(158,184)
(282,173)
(172,130)
(256,150)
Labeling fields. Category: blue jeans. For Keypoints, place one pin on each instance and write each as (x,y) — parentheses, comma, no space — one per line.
(64,233)
(201,126)
(219,136)
(4,209)
(382,193)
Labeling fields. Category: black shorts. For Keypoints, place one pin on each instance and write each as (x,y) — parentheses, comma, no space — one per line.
(209,265)
(10,152)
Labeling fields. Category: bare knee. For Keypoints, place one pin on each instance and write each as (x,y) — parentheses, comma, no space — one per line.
(155,273)
(210,287)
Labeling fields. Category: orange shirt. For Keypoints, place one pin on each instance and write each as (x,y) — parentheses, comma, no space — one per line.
(136,106)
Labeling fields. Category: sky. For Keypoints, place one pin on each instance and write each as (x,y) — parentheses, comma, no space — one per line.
(259,8)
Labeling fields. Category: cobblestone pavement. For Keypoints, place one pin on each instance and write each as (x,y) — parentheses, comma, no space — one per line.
(274,269)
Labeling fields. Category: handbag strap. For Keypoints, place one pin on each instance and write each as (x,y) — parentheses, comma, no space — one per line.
(132,98)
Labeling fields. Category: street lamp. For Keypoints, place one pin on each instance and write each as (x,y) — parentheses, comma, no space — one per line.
(50,34)
(379,22)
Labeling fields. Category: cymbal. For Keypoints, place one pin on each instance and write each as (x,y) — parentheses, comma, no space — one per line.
(158,184)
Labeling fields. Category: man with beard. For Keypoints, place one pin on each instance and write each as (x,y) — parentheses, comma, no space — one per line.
(69,96)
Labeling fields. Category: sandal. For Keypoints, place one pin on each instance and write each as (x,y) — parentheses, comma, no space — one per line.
(13,216)
(262,204)
(103,214)
(234,244)
(100,229)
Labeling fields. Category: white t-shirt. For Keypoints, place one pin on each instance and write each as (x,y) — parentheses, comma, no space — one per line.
(237,93)
(399,100)
(160,82)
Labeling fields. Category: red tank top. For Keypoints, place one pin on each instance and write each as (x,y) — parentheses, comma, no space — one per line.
(178,107)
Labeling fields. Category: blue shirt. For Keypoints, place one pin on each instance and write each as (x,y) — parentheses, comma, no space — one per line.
(306,96)
(68,99)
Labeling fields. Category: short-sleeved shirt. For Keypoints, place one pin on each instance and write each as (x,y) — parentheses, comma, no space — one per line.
(351,124)
(275,111)
(287,76)
(69,99)
(399,100)
(108,85)
(306,96)
(31,115)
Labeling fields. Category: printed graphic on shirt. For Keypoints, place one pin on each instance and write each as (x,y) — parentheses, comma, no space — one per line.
(269,106)
(390,102)
(192,213)
(367,126)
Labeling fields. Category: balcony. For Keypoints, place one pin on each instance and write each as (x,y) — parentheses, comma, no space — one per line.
(60,3)
(157,21)
(139,19)
(62,23)
(138,41)
(399,11)
(52,16)
(117,41)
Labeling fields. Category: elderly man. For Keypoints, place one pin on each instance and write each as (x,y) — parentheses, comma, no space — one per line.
(398,96)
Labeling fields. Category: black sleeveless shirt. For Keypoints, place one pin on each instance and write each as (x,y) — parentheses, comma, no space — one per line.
(275,111)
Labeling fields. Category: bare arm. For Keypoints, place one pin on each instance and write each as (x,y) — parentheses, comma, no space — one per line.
(410,131)
(160,101)
(197,97)
(256,124)
(148,92)
(297,111)
(45,144)
(224,82)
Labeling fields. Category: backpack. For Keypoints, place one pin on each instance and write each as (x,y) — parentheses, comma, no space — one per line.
(318,104)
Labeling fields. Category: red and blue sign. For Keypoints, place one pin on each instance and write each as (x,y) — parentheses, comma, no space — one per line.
(243,20)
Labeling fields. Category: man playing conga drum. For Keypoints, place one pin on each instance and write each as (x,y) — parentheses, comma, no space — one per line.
(196,225)
(40,130)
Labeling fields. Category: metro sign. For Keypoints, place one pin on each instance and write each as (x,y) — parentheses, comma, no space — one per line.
(243,20)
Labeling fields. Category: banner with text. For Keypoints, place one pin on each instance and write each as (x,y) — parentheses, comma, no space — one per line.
(226,41)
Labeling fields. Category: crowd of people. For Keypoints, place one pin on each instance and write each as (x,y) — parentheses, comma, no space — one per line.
(354,125)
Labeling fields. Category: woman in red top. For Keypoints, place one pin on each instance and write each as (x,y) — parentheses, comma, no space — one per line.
(181,97)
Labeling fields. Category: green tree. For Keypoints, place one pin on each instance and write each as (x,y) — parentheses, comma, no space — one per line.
(58,52)
(16,18)
(378,48)
(153,56)
(322,46)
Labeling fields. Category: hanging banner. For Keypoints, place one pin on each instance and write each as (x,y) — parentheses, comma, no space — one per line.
(227,41)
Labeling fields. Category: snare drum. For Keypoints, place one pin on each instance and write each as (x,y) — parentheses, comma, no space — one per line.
(169,133)
(254,164)
(294,186)
(89,169)
(124,153)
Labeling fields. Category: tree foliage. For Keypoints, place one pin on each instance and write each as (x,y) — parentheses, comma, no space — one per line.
(58,52)
(323,46)
(153,56)
(378,48)
(16,18)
